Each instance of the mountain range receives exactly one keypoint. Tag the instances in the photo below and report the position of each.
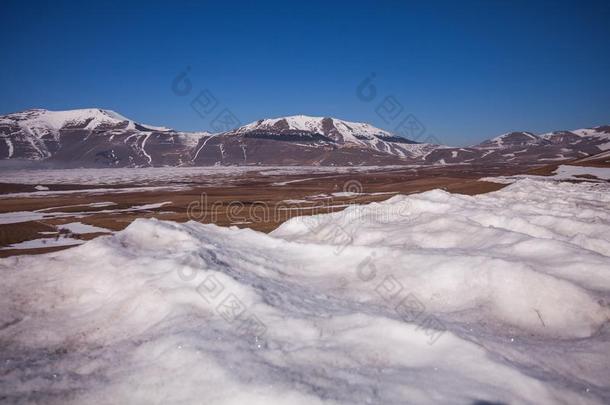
(104, 138)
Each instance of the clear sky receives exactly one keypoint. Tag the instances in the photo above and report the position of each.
(468, 70)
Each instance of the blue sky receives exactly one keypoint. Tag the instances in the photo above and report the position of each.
(467, 70)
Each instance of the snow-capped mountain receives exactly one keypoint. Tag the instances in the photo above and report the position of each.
(512, 140)
(316, 140)
(526, 148)
(599, 136)
(36, 133)
(338, 130)
(97, 137)
(91, 137)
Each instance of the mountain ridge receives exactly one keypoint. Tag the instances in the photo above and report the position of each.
(101, 137)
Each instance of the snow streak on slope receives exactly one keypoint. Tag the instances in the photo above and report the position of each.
(519, 279)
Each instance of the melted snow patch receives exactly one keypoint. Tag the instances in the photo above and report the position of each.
(44, 243)
(80, 228)
(562, 173)
(26, 216)
(569, 172)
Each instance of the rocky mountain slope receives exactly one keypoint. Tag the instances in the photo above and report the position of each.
(103, 138)
(528, 148)
(309, 140)
(92, 137)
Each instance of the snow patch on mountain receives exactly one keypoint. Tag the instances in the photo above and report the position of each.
(602, 132)
(343, 133)
(509, 140)
(40, 122)
(320, 125)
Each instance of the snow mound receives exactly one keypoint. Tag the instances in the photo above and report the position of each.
(427, 298)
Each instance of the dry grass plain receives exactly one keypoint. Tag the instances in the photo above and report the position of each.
(254, 199)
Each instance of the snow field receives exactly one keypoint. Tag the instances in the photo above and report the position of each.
(516, 282)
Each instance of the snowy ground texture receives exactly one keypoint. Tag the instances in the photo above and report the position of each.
(165, 175)
(427, 298)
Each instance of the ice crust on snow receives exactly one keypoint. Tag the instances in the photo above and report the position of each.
(518, 278)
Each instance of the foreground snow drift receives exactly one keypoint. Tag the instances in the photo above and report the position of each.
(430, 298)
